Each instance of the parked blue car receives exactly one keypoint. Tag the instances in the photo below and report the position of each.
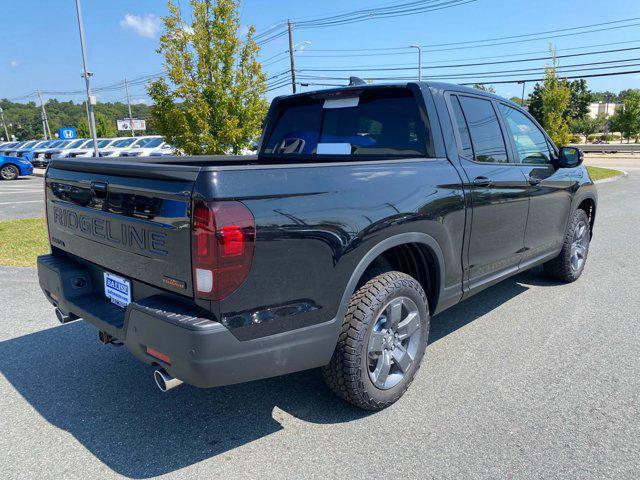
(26, 151)
(12, 167)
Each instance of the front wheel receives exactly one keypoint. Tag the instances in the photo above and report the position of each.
(9, 172)
(382, 342)
(568, 266)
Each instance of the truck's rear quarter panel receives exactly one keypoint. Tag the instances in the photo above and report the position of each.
(316, 222)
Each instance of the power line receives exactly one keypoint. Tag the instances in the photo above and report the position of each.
(459, 65)
(396, 10)
(480, 43)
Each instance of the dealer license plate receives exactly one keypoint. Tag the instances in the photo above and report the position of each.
(117, 289)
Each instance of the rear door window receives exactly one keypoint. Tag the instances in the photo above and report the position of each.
(486, 134)
(376, 122)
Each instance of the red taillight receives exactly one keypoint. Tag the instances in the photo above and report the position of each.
(223, 235)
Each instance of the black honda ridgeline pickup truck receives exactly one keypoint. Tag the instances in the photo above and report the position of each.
(367, 210)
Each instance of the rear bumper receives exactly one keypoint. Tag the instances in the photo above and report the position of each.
(202, 352)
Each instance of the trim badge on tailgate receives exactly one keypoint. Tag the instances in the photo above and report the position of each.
(138, 238)
(172, 282)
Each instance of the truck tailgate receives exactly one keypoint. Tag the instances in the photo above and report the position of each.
(130, 219)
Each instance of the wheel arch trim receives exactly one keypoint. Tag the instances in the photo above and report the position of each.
(383, 246)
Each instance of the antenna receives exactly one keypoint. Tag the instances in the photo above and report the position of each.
(356, 81)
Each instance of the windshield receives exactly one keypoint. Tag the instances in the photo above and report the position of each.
(29, 144)
(76, 143)
(384, 121)
(124, 143)
(151, 142)
(8, 145)
(61, 143)
(103, 143)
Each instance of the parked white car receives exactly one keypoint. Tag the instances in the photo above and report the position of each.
(70, 149)
(121, 145)
(147, 147)
(87, 150)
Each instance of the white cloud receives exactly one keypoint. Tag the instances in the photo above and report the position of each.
(14, 63)
(146, 26)
(141, 100)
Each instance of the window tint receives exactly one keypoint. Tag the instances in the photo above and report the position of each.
(482, 121)
(531, 144)
(461, 123)
(378, 122)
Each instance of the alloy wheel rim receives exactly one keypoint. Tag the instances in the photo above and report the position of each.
(579, 246)
(393, 343)
(7, 172)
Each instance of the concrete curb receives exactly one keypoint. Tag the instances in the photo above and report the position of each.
(623, 174)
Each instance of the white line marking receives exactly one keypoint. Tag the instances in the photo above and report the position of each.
(21, 191)
(27, 201)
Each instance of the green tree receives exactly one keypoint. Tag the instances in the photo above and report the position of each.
(212, 99)
(516, 100)
(580, 97)
(534, 101)
(484, 88)
(627, 119)
(556, 95)
(587, 126)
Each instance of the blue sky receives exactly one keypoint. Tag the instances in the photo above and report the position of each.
(41, 46)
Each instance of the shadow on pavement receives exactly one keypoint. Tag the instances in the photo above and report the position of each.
(108, 401)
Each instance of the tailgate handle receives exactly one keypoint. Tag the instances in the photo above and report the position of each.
(99, 189)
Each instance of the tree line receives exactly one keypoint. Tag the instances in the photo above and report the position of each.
(24, 120)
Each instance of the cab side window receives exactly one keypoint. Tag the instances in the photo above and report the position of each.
(484, 127)
(530, 142)
(463, 132)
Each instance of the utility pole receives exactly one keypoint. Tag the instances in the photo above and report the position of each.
(293, 66)
(126, 87)
(522, 99)
(45, 121)
(419, 47)
(87, 79)
(4, 124)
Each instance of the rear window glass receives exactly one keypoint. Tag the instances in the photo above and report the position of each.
(486, 135)
(377, 122)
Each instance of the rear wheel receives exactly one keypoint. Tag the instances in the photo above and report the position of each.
(568, 266)
(382, 342)
(9, 172)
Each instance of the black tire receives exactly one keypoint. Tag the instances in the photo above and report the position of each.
(562, 268)
(348, 373)
(9, 172)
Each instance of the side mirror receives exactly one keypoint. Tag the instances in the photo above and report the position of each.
(570, 157)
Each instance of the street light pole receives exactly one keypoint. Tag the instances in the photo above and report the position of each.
(4, 124)
(419, 47)
(126, 87)
(291, 60)
(45, 120)
(87, 79)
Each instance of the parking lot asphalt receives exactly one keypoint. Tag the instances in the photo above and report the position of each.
(22, 198)
(528, 379)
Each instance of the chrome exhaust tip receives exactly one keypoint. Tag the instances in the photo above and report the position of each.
(164, 381)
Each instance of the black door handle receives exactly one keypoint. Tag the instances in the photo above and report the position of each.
(482, 182)
(534, 181)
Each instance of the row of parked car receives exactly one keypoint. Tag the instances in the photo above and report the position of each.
(40, 152)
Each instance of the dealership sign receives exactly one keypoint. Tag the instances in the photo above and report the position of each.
(67, 133)
(129, 124)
